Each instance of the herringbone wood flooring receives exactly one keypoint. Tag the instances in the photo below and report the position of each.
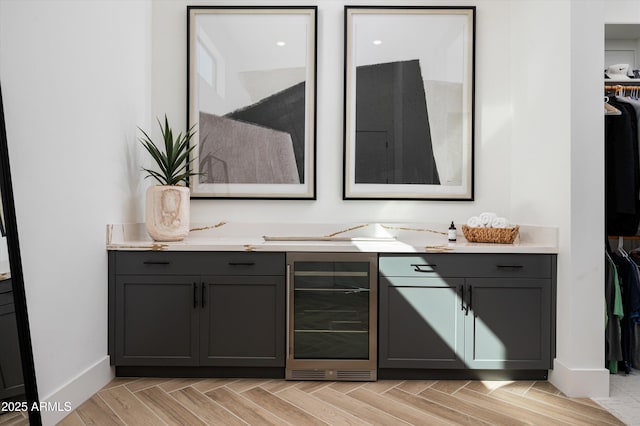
(152, 401)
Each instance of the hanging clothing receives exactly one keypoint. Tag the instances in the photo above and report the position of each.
(622, 167)
(629, 278)
(634, 316)
(636, 107)
(633, 297)
(614, 314)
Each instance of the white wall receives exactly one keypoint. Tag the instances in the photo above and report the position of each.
(538, 148)
(75, 84)
(582, 340)
(558, 130)
(558, 170)
(622, 52)
(79, 76)
(492, 143)
(622, 12)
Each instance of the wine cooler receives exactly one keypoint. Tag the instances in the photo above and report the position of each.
(331, 316)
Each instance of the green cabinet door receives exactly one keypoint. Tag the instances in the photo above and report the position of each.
(509, 323)
(156, 321)
(421, 322)
(242, 321)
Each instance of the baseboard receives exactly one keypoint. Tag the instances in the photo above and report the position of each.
(173, 371)
(68, 397)
(459, 374)
(580, 382)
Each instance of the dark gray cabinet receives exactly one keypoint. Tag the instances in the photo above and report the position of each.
(226, 310)
(156, 320)
(11, 379)
(197, 309)
(421, 325)
(243, 321)
(508, 325)
(467, 311)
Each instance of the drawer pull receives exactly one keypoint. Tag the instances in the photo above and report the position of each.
(418, 268)
(509, 266)
(242, 263)
(156, 262)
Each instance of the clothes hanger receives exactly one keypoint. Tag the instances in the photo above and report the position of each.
(610, 109)
(608, 256)
(620, 249)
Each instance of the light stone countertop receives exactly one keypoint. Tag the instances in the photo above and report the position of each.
(5, 270)
(329, 237)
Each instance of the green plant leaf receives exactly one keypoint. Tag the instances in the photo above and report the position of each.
(174, 160)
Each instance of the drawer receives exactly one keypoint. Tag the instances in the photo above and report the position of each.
(467, 265)
(5, 286)
(6, 298)
(199, 263)
(7, 309)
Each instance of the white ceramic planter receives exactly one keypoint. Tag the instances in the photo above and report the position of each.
(167, 212)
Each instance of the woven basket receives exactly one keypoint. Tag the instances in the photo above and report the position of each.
(490, 235)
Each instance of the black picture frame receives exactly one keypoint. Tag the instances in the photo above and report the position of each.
(251, 93)
(409, 95)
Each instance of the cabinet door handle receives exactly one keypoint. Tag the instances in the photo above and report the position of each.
(156, 262)
(418, 268)
(288, 315)
(470, 304)
(242, 263)
(509, 266)
(195, 295)
(461, 292)
(202, 293)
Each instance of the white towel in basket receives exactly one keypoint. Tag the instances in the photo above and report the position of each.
(474, 222)
(499, 222)
(486, 219)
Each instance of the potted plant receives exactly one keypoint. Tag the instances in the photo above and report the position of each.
(167, 204)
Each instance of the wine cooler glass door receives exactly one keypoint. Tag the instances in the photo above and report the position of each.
(331, 310)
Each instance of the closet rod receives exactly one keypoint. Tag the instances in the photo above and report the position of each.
(621, 87)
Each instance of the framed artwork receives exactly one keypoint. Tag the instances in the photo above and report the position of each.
(409, 102)
(252, 97)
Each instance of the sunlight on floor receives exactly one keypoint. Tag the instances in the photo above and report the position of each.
(624, 397)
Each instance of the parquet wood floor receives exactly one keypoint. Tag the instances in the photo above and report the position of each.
(154, 401)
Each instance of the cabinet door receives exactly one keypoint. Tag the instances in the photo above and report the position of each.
(243, 321)
(421, 322)
(156, 320)
(11, 380)
(508, 326)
